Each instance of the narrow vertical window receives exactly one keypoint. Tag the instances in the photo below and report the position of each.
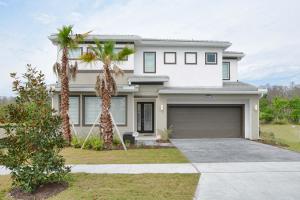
(226, 71)
(149, 62)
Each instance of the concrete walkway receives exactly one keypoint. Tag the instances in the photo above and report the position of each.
(249, 181)
(184, 168)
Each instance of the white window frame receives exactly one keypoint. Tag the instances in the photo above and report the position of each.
(226, 62)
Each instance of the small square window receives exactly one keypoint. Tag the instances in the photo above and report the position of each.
(211, 58)
(190, 58)
(170, 57)
(75, 53)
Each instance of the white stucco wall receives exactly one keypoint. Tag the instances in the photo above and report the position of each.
(181, 74)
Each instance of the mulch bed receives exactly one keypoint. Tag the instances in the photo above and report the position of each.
(43, 192)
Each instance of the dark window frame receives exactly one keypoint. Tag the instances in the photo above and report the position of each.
(83, 110)
(211, 63)
(228, 70)
(79, 102)
(145, 52)
(81, 49)
(196, 58)
(153, 117)
(170, 63)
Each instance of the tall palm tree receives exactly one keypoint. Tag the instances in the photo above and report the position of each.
(106, 86)
(67, 42)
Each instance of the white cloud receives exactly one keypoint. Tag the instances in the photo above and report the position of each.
(44, 18)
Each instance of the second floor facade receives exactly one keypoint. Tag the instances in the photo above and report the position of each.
(182, 63)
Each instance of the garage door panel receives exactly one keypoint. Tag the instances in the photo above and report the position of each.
(205, 121)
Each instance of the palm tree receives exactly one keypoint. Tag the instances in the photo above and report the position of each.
(66, 41)
(106, 86)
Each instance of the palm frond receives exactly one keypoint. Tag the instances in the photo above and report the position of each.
(88, 57)
(73, 70)
(117, 70)
(64, 36)
(124, 53)
(80, 37)
(57, 69)
(108, 48)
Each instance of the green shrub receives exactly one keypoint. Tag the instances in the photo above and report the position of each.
(76, 142)
(94, 143)
(116, 140)
(33, 136)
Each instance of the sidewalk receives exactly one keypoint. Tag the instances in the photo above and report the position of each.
(184, 168)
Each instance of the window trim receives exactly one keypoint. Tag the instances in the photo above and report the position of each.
(154, 62)
(211, 63)
(79, 102)
(81, 52)
(196, 58)
(228, 70)
(170, 63)
(83, 110)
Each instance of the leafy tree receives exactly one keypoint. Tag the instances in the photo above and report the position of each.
(266, 112)
(33, 137)
(66, 41)
(280, 109)
(106, 85)
(294, 105)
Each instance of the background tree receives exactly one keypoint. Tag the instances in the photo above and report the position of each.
(106, 85)
(67, 42)
(33, 138)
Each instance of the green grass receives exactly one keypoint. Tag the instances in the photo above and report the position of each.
(286, 135)
(132, 156)
(127, 187)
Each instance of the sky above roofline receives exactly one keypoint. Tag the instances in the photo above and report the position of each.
(266, 31)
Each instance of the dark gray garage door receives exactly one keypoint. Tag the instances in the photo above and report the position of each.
(195, 121)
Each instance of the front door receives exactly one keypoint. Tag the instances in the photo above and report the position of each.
(145, 117)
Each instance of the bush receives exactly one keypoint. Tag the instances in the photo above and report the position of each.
(33, 137)
(94, 143)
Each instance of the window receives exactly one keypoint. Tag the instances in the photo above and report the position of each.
(211, 58)
(92, 108)
(117, 50)
(190, 58)
(75, 53)
(170, 57)
(226, 70)
(149, 62)
(74, 104)
(74, 109)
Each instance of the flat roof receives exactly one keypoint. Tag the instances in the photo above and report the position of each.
(227, 88)
(140, 41)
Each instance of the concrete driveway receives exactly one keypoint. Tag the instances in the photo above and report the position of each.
(234, 169)
(232, 150)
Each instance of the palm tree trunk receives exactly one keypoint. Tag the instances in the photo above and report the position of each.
(106, 125)
(65, 97)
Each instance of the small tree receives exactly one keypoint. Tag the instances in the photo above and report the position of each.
(33, 137)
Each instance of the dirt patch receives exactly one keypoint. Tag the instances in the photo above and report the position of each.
(43, 192)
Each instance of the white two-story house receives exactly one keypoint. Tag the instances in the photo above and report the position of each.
(190, 86)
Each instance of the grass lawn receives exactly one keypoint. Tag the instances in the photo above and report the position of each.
(132, 156)
(284, 135)
(111, 187)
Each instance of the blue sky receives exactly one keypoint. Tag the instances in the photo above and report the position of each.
(268, 31)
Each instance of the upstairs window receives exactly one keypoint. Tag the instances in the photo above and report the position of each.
(149, 62)
(75, 53)
(190, 58)
(226, 70)
(169, 57)
(211, 58)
